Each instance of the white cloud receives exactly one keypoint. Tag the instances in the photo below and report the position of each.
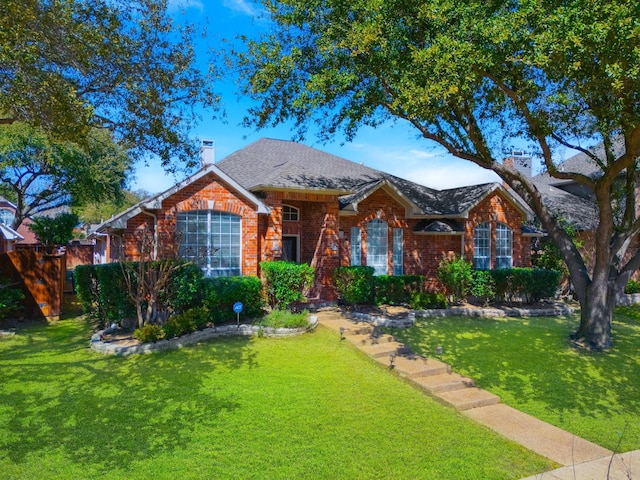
(433, 167)
(242, 6)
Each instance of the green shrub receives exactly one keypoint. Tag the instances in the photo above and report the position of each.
(354, 284)
(221, 293)
(455, 276)
(186, 322)
(11, 297)
(103, 293)
(396, 289)
(525, 284)
(428, 300)
(286, 282)
(633, 286)
(284, 319)
(186, 288)
(483, 285)
(149, 333)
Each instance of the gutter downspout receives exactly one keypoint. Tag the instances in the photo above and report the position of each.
(155, 231)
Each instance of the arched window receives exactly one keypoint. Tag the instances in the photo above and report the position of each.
(212, 240)
(6, 216)
(378, 246)
(482, 246)
(504, 246)
(290, 214)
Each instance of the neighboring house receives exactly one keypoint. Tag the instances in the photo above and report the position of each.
(279, 200)
(570, 200)
(23, 234)
(8, 238)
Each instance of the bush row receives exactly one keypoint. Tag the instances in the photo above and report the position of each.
(508, 284)
(102, 292)
(357, 285)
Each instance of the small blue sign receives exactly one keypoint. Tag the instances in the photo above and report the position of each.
(237, 307)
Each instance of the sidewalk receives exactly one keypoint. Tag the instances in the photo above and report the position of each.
(582, 460)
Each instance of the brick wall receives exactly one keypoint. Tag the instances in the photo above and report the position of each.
(316, 230)
(497, 209)
(422, 253)
(207, 193)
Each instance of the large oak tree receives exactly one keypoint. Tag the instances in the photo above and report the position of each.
(476, 76)
(40, 173)
(69, 65)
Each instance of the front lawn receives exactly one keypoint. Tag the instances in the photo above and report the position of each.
(529, 363)
(303, 407)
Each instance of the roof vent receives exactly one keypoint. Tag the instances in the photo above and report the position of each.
(207, 153)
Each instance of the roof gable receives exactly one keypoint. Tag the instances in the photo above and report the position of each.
(155, 202)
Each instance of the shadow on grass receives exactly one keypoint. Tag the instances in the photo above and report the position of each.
(56, 394)
(529, 361)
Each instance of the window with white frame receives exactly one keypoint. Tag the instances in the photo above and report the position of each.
(290, 214)
(212, 240)
(378, 246)
(356, 246)
(6, 216)
(504, 246)
(482, 246)
(397, 251)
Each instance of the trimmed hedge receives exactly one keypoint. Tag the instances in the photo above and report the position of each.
(102, 291)
(428, 300)
(220, 293)
(396, 289)
(285, 282)
(354, 284)
(525, 284)
(186, 322)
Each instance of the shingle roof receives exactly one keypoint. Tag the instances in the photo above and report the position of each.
(579, 212)
(444, 226)
(269, 163)
(9, 233)
(581, 163)
(278, 164)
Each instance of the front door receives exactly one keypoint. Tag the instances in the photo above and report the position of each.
(290, 248)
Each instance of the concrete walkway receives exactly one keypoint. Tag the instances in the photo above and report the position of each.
(582, 459)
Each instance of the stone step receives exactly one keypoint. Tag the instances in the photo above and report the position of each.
(368, 339)
(414, 366)
(445, 382)
(467, 398)
(380, 350)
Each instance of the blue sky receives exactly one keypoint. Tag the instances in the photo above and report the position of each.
(393, 148)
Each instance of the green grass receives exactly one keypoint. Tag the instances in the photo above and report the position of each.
(284, 319)
(296, 408)
(530, 364)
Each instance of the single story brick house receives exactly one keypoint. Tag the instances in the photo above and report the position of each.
(280, 200)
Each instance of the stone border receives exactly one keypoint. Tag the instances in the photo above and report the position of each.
(553, 311)
(224, 331)
(410, 319)
(629, 299)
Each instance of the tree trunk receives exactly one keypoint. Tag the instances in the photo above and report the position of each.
(596, 312)
(139, 314)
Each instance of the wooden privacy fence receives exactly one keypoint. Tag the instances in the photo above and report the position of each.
(41, 277)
